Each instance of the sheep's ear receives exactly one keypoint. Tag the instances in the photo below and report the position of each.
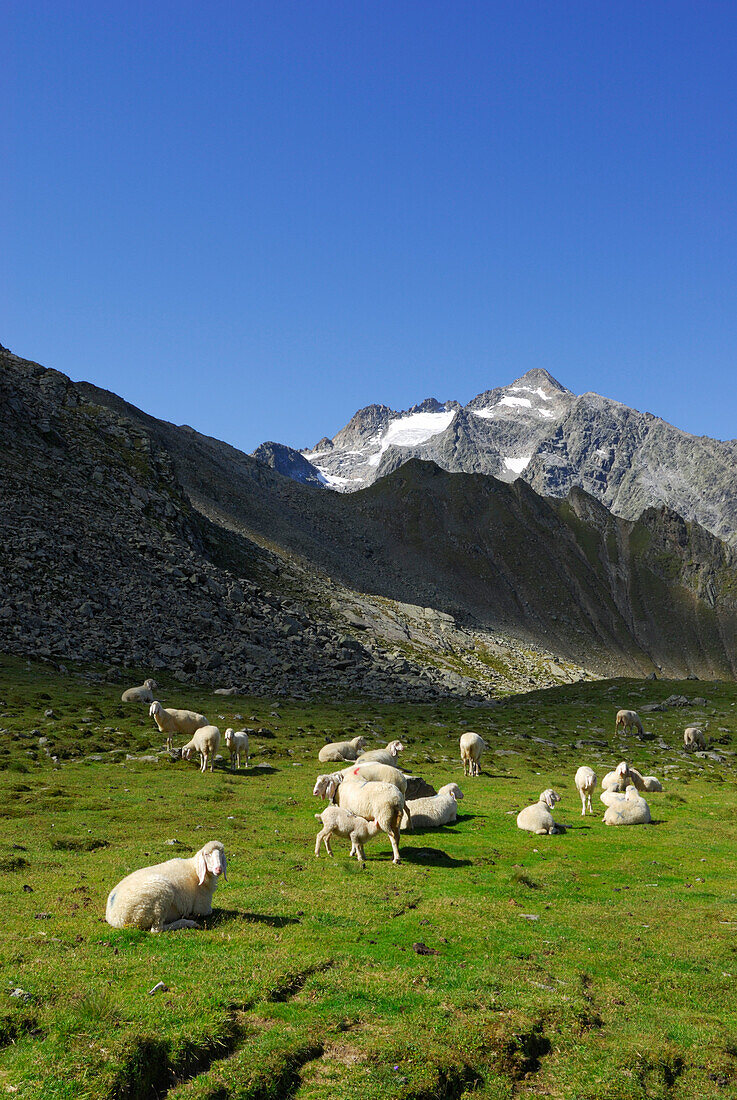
(201, 867)
(225, 867)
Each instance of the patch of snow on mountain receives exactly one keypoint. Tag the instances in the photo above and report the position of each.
(517, 464)
(310, 455)
(409, 431)
(530, 389)
(334, 479)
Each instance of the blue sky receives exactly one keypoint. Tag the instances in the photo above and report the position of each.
(256, 218)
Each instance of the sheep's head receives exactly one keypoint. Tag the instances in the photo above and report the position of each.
(549, 797)
(452, 789)
(210, 860)
(155, 708)
(228, 735)
(186, 753)
(359, 743)
(631, 793)
(394, 747)
(622, 769)
(327, 785)
(150, 684)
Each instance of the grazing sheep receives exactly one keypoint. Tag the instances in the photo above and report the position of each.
(616, 780)
(142, 694)
(383, 756)
(585, 780)
(373, 771)
(471, 748)
(538, 818)
(431, 813)
(172, 721)
(237, 742)
(694, 739)
(345, 823)
(627, 718)
(206, 742)
(341, 751)
(651, 784)
(630, 810)
(163, 897)
(379, 802)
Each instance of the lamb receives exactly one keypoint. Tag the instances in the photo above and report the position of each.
(164, 897)
(206, 742)
(630, 810)
(172, 721)
(651, 784)
(341, 751)
(616, 780)
(538, 818)
(379, 802)
(585, 780)
(471, 748)
(431, 813)
(694, 739)
(383, 756)
(345, 823)
(627, 718)
(237, 742)
(142, 694)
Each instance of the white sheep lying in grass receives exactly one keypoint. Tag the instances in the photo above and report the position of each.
(379, 802)
(341, 751)
(172, 721)
(585, 780)
(538, 818)
(431, 813)
(206, 742)
(629, 810)
(164, 897)
(651, 783)
(383, 756)
(237, 742)
(471, 748)
(616, 780)
(627, 718)
(345, 823)
(142, 694)
(694, 739)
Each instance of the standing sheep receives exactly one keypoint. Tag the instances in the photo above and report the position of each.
(337, 820)
(237, 743)
(431, 813)
(694, 739)
(630, 810)
(206, 742)
(383, 756)
(341, 751)
(172, 721)
(142, 694)
(471, 748)
(163, 897)
(379, 802)
(585, 780)
(538, 818)
(627, 718)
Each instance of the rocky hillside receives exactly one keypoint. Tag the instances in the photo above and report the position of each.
(564, 578)
(555, 440)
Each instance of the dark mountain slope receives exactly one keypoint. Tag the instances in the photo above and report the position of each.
(568, 576)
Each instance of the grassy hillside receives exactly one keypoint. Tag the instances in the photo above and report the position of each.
(490, 963)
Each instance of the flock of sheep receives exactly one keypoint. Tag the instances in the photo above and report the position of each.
(371, 795)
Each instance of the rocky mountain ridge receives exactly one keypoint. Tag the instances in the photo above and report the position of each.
(540, 431)
(128, 539)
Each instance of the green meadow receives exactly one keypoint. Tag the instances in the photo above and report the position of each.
(601, 963)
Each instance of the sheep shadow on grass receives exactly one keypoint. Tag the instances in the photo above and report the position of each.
(431, 857)
(225, 916)
(253, 771)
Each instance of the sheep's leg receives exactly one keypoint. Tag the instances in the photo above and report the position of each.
(359, 851)
(183, 923)
(588, 799)
(583, 803)
(318, 842)
(326, 841)
(394, 838)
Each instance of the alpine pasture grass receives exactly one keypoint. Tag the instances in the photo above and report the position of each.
(491, 963)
